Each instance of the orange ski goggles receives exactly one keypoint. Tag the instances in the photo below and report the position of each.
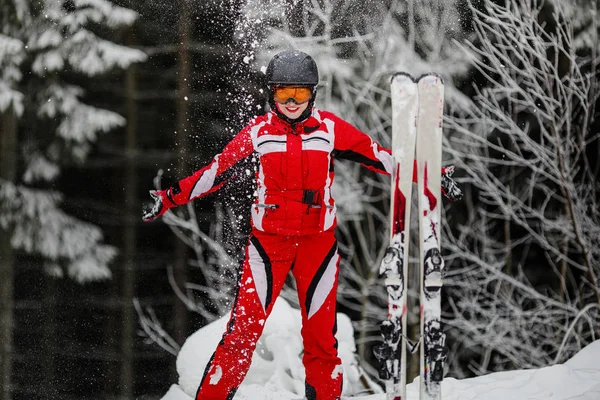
(298, 94)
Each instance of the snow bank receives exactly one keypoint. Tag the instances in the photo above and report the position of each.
(277, 372)
(577, 379)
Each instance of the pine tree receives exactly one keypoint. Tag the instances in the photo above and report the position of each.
(45, 47)
(42, 47)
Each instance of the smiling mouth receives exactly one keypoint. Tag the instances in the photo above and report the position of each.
(292, 109)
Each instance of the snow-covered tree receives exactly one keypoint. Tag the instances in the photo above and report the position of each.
(42, 46)
(524, 286)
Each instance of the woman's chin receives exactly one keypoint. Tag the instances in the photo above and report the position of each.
(292, 112)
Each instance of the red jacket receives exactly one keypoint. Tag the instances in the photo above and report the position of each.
(295, 170)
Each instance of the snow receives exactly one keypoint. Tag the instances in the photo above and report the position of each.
(277, 372)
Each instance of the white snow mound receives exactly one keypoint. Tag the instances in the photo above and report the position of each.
(277, 372)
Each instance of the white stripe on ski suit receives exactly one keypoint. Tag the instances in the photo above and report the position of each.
(318, 141)
(385, 158)
(207, 180)
(324, 286)
(258, 213)
(329, 212)
(270, 144)
(259, 273)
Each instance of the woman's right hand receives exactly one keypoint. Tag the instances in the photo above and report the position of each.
(152, 211)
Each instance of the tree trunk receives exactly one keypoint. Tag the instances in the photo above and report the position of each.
(8, 172)
(130, 222)
(182, 132)
(295, 17)
(49, 331)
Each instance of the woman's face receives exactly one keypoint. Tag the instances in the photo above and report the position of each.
(291, 109)
(292, 101)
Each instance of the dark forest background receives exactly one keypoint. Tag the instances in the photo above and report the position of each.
(75, 341)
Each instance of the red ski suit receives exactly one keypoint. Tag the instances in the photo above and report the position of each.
(293, 221)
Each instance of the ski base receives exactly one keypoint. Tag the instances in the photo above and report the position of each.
(391, 354)
(431, 263)
(417, 113)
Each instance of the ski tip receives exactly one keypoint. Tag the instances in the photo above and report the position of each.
(401, 75)
(431, 75)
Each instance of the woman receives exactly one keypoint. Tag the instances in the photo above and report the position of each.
(293, 223)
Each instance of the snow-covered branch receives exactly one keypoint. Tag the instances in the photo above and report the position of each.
(525, 271)
(152, 329)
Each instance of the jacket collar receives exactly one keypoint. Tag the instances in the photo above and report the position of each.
(308, 125)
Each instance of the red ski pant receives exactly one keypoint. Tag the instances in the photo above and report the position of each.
(314, 262)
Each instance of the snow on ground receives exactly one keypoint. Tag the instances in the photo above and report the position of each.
(277, 372)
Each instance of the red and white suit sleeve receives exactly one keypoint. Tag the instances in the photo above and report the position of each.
(352, 144)
(209, 178)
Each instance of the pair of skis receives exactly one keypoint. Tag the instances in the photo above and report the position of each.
(417, 112)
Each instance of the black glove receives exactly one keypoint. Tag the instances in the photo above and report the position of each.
(449, 185)
(154, 210)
